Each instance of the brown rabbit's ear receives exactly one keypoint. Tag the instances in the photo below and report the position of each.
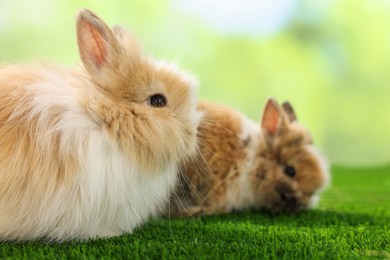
(97, 44)
(289, 111)
(273, 119)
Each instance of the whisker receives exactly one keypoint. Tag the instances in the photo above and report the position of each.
(186, 194)
(183, 207)
(169, 214)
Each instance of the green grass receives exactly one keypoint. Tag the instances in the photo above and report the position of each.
(352, 221)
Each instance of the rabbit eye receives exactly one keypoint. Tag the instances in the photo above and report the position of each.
(157, 100)
(290, 171)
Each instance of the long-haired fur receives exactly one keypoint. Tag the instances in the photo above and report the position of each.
(242, 165)
(84, 153)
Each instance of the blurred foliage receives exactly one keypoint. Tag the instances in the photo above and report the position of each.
(331, 60)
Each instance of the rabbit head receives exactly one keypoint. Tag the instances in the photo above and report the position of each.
(291, 172)
(149, 107)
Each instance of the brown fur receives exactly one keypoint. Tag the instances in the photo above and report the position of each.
(208, 176)
(234, 171)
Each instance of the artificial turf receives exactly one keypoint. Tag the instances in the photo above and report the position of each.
(352, 221)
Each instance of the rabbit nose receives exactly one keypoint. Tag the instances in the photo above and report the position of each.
(288, 198)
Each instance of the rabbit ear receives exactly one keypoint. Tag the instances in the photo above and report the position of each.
(120, 32)
(97, 44)
(289, 111)
(127, 40)
(271, 117)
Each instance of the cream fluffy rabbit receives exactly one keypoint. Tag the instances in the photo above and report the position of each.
(91, 152)
(241, 165)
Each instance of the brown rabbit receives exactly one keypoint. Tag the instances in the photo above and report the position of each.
(242, 166)
(92, 152)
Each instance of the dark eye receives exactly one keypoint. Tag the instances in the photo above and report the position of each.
(157, 100)
(290, 171)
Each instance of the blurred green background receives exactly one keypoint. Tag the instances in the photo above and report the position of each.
(330, 59)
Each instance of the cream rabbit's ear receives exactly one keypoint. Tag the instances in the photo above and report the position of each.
(289, 111)
(273, 120)
(98, 47)
(121, 32)
(127, 40)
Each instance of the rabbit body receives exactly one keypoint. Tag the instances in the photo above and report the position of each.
(242, 165)
(91, 152)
